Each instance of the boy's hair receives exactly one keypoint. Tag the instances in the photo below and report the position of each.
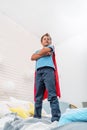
(47, 34)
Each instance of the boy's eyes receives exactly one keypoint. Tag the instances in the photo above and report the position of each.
(46, 39)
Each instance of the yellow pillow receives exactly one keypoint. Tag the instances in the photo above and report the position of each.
(23, 112)
(31, 109)
(20, 111)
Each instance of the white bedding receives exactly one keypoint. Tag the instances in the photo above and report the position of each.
(6, 118)
(10, 120)
(15, 108)
(41, 126)
(24, 109)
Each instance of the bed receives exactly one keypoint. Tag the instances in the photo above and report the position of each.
(17, 114)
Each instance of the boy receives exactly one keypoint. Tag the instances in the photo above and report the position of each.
(45, 79)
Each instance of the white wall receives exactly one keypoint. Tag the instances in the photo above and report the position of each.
(72, 62)
(16, 47)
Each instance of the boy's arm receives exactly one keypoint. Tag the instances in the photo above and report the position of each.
(43, 52)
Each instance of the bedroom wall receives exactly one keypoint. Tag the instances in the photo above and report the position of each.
(72, 62)
(16, 68)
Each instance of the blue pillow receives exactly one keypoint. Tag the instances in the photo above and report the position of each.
(73, 115)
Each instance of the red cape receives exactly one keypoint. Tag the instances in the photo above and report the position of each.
(56, 81)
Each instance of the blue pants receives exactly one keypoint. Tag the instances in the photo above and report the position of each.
(45, 79)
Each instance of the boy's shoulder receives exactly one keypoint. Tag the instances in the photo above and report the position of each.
(51, 46)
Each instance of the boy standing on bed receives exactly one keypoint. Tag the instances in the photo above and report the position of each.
(45, 84)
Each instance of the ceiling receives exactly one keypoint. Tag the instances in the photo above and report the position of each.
(63, 19)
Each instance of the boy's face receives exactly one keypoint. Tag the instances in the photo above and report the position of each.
(46, 41)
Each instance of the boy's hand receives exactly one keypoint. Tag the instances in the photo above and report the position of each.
(48, 53)
(43, 52)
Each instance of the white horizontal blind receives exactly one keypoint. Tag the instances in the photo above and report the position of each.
(23, 86)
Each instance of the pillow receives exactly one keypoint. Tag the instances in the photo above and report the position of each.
(73, 115)
(31, 109)
(20, 112)
(23, 108)
(16, 103)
